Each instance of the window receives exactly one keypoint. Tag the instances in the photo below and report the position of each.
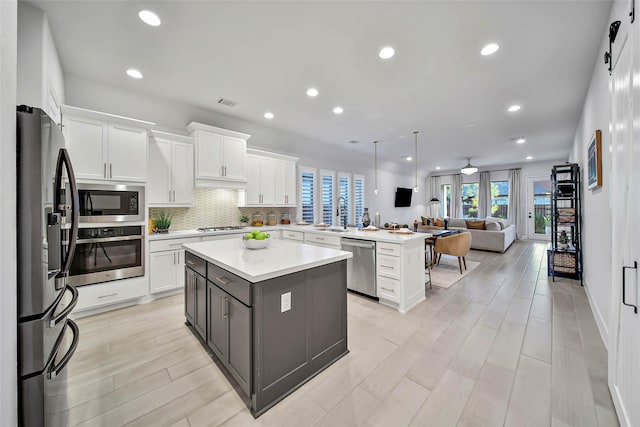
(446, 201)
(307, 193)
(469, 200)
(328, 179)
(358, 197)
(345, 191)
(500, 199)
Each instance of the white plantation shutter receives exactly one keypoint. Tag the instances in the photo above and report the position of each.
(307, 193)
(345, 184)
(327, 196)
(358, 197)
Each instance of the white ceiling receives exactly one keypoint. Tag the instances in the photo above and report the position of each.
(265, 54)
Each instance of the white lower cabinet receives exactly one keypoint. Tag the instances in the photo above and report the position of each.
(324, 240)
(296, 236)
(166, 264)
(388, 271)
(117, 291)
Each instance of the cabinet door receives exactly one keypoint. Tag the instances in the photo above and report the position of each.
(216, 337)
(86, 141)
(209, 155)
(266, 181)
(201, 305)
(233, 153)
(127, 153)
(279, 194)
(239, 350)
(189, 296)
(253, 180)
(182, 177)
(290, 187)
(162, 271)
(180, 268)
(159, 188)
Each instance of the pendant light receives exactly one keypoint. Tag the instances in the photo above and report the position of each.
(469, 169)
(415, 133)
(375, 160)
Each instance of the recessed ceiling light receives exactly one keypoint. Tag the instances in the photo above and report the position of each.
(437, 168)
(312, 92)
(529, 157)
(408, 158)
(521, 140)
(337, 110)
(149, 18)
(386, 52)
(513, 108)
(268, 115)
(132, 72)
(489, 49)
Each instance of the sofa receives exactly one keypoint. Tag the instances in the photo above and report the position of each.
(496, 236)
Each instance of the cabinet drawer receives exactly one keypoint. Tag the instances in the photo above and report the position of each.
(388, 289)
(170, 244)
(222, 237)
(230, 283)
(323, 239)
(392, 249)
(293, 235)
(116, 291)
(195, 263)
(388, 266)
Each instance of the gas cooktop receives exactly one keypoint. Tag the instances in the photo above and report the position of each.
(220, 228)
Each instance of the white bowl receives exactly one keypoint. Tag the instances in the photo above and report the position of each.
(256, 244)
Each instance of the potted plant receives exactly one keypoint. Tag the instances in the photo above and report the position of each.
(563, 240)
(244, 220)
(163, 222)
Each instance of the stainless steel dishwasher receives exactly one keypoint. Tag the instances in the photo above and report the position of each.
(361, 269)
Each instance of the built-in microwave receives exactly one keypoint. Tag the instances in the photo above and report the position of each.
(111, 203)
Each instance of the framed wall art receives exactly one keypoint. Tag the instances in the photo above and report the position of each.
(594, 161)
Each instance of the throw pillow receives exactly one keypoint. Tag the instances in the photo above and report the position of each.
(439, 222)
(503, 223)
(424, 220)
(475, 225)
(492, 225)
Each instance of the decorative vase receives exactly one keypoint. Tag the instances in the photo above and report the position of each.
(163, 230)
(365, 218)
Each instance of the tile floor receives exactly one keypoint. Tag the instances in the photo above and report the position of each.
(503, 347)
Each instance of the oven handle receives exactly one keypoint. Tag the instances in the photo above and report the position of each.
(109, 239)
(63, 314)
(56, 369)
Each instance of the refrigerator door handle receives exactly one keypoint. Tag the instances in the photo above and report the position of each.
(65, 159)
(56, 369)
(63, 314)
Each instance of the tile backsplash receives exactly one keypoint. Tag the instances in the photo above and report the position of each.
(215, 207)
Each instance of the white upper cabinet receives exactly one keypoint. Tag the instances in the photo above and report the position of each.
(105, 147)
(40, 76)
(271, 180)
(220, 156)
(171, 170)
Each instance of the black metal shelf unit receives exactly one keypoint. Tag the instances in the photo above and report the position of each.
(565, 258)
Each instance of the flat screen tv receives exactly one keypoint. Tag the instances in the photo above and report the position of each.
(403, 197)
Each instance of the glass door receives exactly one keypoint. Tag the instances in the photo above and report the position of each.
(539, 208)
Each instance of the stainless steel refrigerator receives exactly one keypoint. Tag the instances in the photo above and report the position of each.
(48, 215)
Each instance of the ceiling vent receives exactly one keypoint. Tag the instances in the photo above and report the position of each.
(227, 102)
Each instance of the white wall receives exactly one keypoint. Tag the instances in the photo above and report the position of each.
(8, 315)
(173, 115)
(597, 239)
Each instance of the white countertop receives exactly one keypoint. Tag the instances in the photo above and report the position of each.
(280, 258)
(353, 233)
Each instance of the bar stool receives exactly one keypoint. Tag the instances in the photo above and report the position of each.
(428, 259)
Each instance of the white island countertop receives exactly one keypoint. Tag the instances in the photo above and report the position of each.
(255, 265)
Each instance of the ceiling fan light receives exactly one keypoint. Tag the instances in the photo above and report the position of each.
(469, 169)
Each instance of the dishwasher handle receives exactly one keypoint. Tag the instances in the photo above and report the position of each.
(358, 244)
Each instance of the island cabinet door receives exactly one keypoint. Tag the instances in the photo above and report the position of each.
(201, 305)
(189, 296)
(239, 343)
(216, 335)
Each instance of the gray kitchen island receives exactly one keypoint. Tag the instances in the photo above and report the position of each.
(271, 318)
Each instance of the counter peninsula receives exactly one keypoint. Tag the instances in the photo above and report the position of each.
(271, 318)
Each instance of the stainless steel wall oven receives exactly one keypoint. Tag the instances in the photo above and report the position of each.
(107, 253)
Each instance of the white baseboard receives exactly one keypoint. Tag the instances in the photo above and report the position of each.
(597, 315)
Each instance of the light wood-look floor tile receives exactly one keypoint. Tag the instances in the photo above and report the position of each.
(505, 346)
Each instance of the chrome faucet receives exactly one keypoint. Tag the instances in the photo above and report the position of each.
(343, 207)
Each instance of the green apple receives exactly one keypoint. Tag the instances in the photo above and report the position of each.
(248, 236)
(262, 236)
